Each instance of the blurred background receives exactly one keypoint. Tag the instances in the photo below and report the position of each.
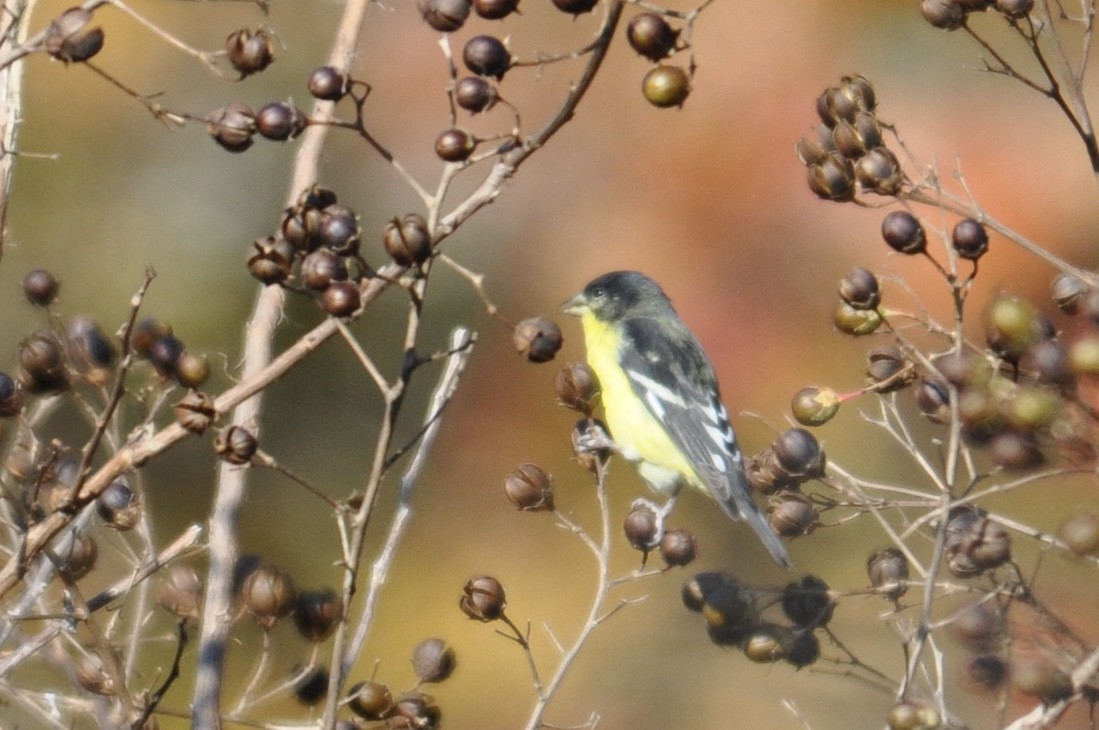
(709, 199)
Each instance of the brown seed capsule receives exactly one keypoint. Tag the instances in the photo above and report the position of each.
(475, 94)
(575, 7)
(970, 239)
(370, 700)
(538, 338)
(888, 369)
(903, 232)
(445, 16)
(984, 672)
(879, 170)
(650, 35)
(486, 55)
(337, 229)
(322, 267)
(192, 369)
(341, 299)
(232, 126)
(407, 240)
(42, 363)
(678, 547)
(268, 594)
(236, 445)
(1015, 450)
(832, 178)
(979, 626)
(798, 453)
(317, 613)
(119, 506)
(40, 287)
(250, 52)
(860, 289)
(483, 598)
(933, 399)
(433, 660)
(528, 488)
(495, 9)
(888, 572)
(1081, 533)
(146, 332)
(1015, 8)
(814, 405)
(415, 710)
(78, 557)
(577, 387)
(164, 354)
(196, 411)
(327, 84)
(666, 86)
(68, 38)
(792, 514)
(642, 528)
(1011, 326)
(179, 591)
(1068, 292)
(944, 14)
(455, 145)
(766, 475)
(280, 121)
(974, 543)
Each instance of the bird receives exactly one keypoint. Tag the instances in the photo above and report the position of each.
(661, 398)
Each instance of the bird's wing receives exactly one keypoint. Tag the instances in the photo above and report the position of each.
(671, 374)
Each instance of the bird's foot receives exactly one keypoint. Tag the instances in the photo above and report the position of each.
(660, 512)
(590, 437)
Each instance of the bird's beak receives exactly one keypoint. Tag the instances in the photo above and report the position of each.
(576, 306)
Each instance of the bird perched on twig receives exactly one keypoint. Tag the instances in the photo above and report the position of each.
(661, 398)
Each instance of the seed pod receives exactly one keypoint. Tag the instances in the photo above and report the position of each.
(196, 411)
(79, 557)
(179, 591)
(577, 387)
(766, 475)
(678, 547)
(944, 14)
(666, 86)
(337, 228)
(889, 369)
(416, 710)
(903, 232)
(370, 700)
(764, 644)
(1011, 326)
(933, 399)
(407, 240)
(975, 543)
(970, 239)
(327, 84)
(236, 445)
(1015, 8)
(232, 126)
(486, 55)
(40, 287)
(650, 35)
(445, 16)
(701, 585)
(575, 7)
(268, 594)
(1068, 292)
(642, 528)
(859, 288)
(250, 52)
(888, 572)
(164, 354)
(483, 598)
(42, 363)
(321, 268)
(280, 121)
(1035, 674)
(433, 660)
(11, 397)
(807, 602)
(814, 405)
(341, 299)
(802, 649)
(984, 673)
(119, 506)
(316, 614)
(979, 627)
(537, 338)
(528, 488)
(474, 94)
(495, 9)
(311, 684)
(454, 145)
(68, 38)
(192, 369)
(792, 514)
(1081, 533)
(798, 453)
(879, 170)
(730, 612)
(832, 178)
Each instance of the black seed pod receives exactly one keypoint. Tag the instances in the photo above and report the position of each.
(445, 16)
(42, 363)
(338, 230)
(933, 398)
(945, 14)
(321, 268)
(807, 602)
(970, 239)
(798, 453)
(903, 232)
(164, 354)
(280, 121)
(889, 369)
(642, 528)
(860, 289)
(575, 7)
(316, 614)
(118, 506)
(271, 259)
(1068, 292)
(250, 52)
(650, 35)
(327, 84)
(486, 55)
(455, 145)
(236, 445)
(495, 9)
(701, 585)
(341, 299)
(40, 287)
(678, 547)
(11, 398)
(888, 572)
(792, 514)
(879, 170)
(311, 684)
(832, 178)
(475, 94)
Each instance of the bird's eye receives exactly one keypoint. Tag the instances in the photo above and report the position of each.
(598, 293)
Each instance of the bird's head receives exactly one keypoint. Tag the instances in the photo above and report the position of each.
(618, 295)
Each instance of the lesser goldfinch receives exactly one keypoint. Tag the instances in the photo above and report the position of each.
(661, 397)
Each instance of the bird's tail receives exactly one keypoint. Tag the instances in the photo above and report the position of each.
(740, 506)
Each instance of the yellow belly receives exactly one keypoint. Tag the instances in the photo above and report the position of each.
(632, 425)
